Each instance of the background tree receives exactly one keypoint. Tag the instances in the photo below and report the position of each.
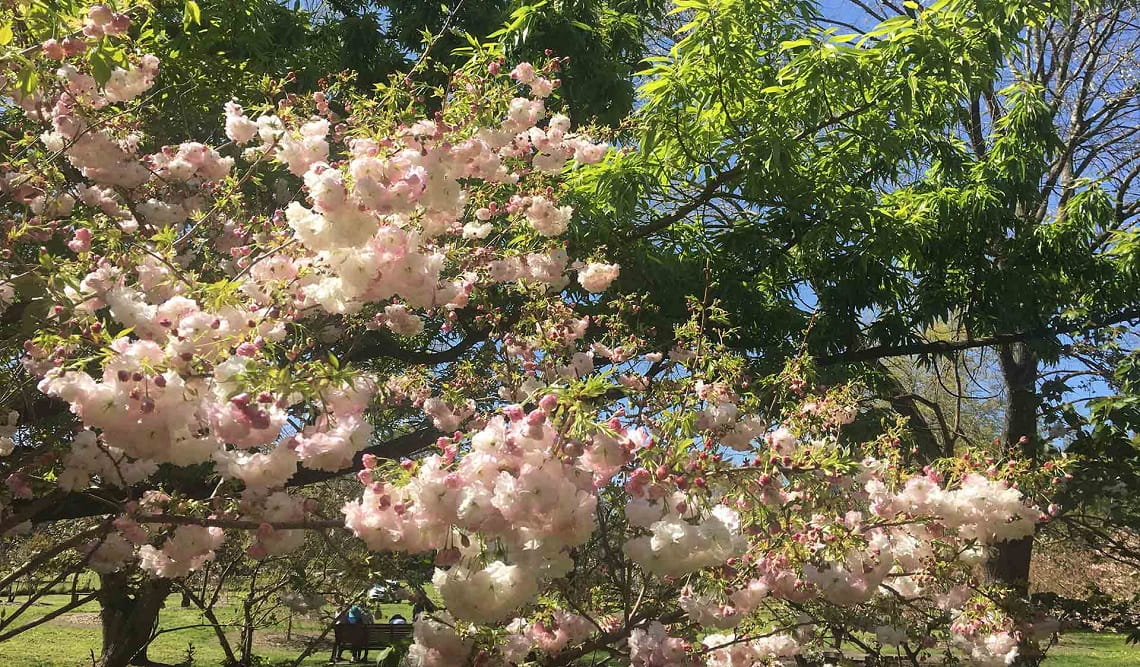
(853, 180)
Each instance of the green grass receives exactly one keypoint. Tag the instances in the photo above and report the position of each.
(68, 641)
(1081, 649)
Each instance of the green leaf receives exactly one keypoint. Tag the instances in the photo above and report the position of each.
(475, 45)
(28, 80)
(191, 14)
(795, 44)
(6, 34)
(100, 66)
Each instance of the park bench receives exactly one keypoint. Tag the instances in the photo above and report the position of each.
(361, 637)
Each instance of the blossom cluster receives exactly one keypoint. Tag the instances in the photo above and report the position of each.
(511, 488)
(379, 231)
(8, 429)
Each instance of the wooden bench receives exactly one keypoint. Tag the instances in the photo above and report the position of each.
(360, 637)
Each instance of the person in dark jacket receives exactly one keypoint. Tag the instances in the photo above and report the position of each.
(356, 615)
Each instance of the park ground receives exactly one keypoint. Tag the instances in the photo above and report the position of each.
(71, 639)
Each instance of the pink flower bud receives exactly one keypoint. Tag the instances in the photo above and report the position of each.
(548, 402)
(119, 25)
(80, 241)
(18, 485)
(73, 46)
(100, 14)
(53, 49)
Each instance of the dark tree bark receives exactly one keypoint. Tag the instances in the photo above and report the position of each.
(75, 586)
(207, 609)
(1009, 564)
(1019, 366)
(129, 613)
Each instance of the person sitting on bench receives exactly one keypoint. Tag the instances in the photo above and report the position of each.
(397, 619)
(363, 637)
(356, 615)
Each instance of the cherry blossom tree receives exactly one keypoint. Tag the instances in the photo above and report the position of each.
(349, 287)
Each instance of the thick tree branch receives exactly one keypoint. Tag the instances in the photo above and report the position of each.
(44, 556)
(240, 524)
(400, 447)
(711, 189)
(706, 194)
(947, 346)
(97, 502)
(49, 616)
(376, 344)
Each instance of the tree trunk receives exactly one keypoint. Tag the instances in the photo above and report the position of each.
(129, 614)
(219, 631)
(75, 587)
(1019, 365)
(1009, 564)
(247, 626)
(247, 632)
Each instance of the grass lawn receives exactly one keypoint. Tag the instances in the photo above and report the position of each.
(1081, 649)
(68, 641)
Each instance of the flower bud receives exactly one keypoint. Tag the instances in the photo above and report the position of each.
(100, 14)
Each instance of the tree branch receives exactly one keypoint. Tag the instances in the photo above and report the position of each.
(79, 504)
(243, 524)
(49, 616)
(400, 447)
(947, 346)
(707, 193)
